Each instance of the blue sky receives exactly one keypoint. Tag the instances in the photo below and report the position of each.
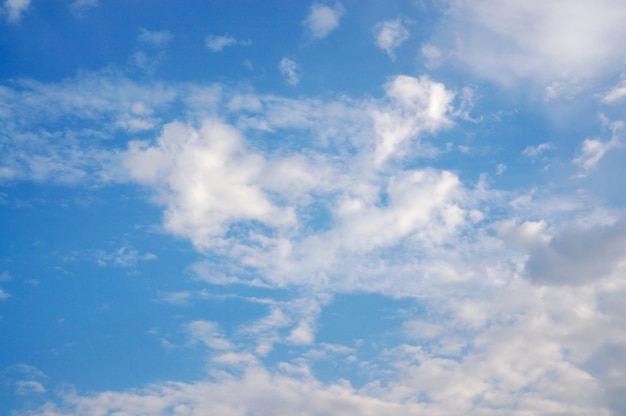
(290, 207)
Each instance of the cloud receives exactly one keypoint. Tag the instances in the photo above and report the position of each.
(417, 106)
(323, 19)
(578, 255)
(290, 70)
(72, 155)
(24, 388)
(218, 43)
(4, 295)
(176, 298)
(593, 150)
(432, 54)
(209, 334)
(544, 41)
(122, 257)
(156, 38)
(15, 9)
(616, 94)
(389, 35)
(257, 392)
(534, 151)
(183, 168)
(325, 213)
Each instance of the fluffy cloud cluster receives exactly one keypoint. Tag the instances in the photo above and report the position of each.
(323, 19)
(521, 305)
(547, 41)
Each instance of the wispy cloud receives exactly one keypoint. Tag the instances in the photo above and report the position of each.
(218, 43)
(209, 334)
(593, 150)
(290, 70)
(534, 151)
(156, 38)
(616, 94)
(15, 9)
(122, 257)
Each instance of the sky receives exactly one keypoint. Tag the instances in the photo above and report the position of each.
(407, 207)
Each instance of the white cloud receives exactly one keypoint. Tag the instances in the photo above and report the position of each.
(15, 9)
(542, 40)
(209, 334)
(593, 150)
(122, 257)
(519, 317)
(418, 105)
(4, 295)
(528, 234)
(534, 151)
(257, 392)
(423, 204)
(24, 388)
(176, 298)
(616, 94)
(500, 168)
(323, 19)
(156, 38)
(218, 43)
(389, 35)
(290, 70)
(71, 155)
(207, 180)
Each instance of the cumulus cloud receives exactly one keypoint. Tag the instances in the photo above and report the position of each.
(578, 255)
(206, 178)
(323, 19)
(389, 35)
(15, 9)
(417, 106)
(218, 43)
(540, 40)
(290, 70)
(328, 215)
